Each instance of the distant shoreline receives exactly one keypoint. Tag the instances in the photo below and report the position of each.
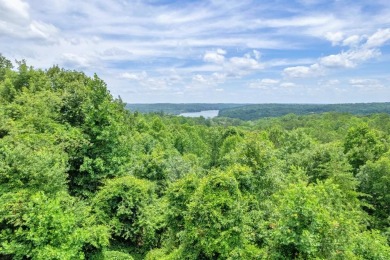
(257, 111)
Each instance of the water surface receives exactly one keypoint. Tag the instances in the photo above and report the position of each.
(205, 114)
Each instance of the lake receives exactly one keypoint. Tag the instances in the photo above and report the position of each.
(205, 114)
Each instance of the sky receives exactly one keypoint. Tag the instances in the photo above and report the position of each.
(212, 51)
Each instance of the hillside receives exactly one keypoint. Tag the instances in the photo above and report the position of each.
(176, 109)
(253, 112)
(81, 177)
(258, 111)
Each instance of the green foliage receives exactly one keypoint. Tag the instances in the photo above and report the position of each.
(122, 203)
(363, 144)
(295, 141)
(111, 255)
(374, 180)
(255, 151)
(156, 254)
(189, 140)
(157, 165)
(43, 227)
(179, 196)
(327, 161)
(35, 168)
(36, 112)
(87, 105)
(371, 245)
(115, 255)
(213, 225)
(5, 63)
(257, 111)
(315, 221)
(83, 178)
(229, 145)
(7, 89)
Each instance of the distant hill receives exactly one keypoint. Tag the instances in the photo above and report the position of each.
(257, 111)
(176, 109)
(253, 112)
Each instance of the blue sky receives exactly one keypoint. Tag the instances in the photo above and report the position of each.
(303, 51)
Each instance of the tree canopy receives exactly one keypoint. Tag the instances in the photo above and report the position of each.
(82, 177)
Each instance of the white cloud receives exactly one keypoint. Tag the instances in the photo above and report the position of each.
(272, 84)
(298, 21)
(257, 54)
(135, 76)
(114, 52)
(270, 81)
(155, 84)
(174, 78)
(349, 59)
(147, 82)
(334, 37)
(378, 39)
(303, 71)
(213, 79)
(337, 60)
(183, 16)
(289, 62)
(76, 61)
(328, 84)
(15, 11)
(333, 82)
(207, 43)
(43, 30)
(221, 51)
(200, 79)
(288, 85)
(366, 84)
(297, 71)
(16, 22)
(346, 59)
(215, 56)
(233, 66)
(31, 31)
(352, 40)
(359, 81)
(245, 63)
(219, 77)
(264, 83)
(311, 2)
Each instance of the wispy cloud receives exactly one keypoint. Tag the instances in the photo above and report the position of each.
(264, 83)
(357, 54)
(313, 70)
(187, 47)
(217, 56)
(378, 39)
(366, 84)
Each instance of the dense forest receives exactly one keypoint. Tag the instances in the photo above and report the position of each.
(176, 109)
(258, 111)
(82, 177)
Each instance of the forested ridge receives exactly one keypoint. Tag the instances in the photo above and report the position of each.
(176, 109)
(81, 177)
(257, 111)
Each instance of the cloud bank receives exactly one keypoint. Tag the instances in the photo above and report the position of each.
(210, 51)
